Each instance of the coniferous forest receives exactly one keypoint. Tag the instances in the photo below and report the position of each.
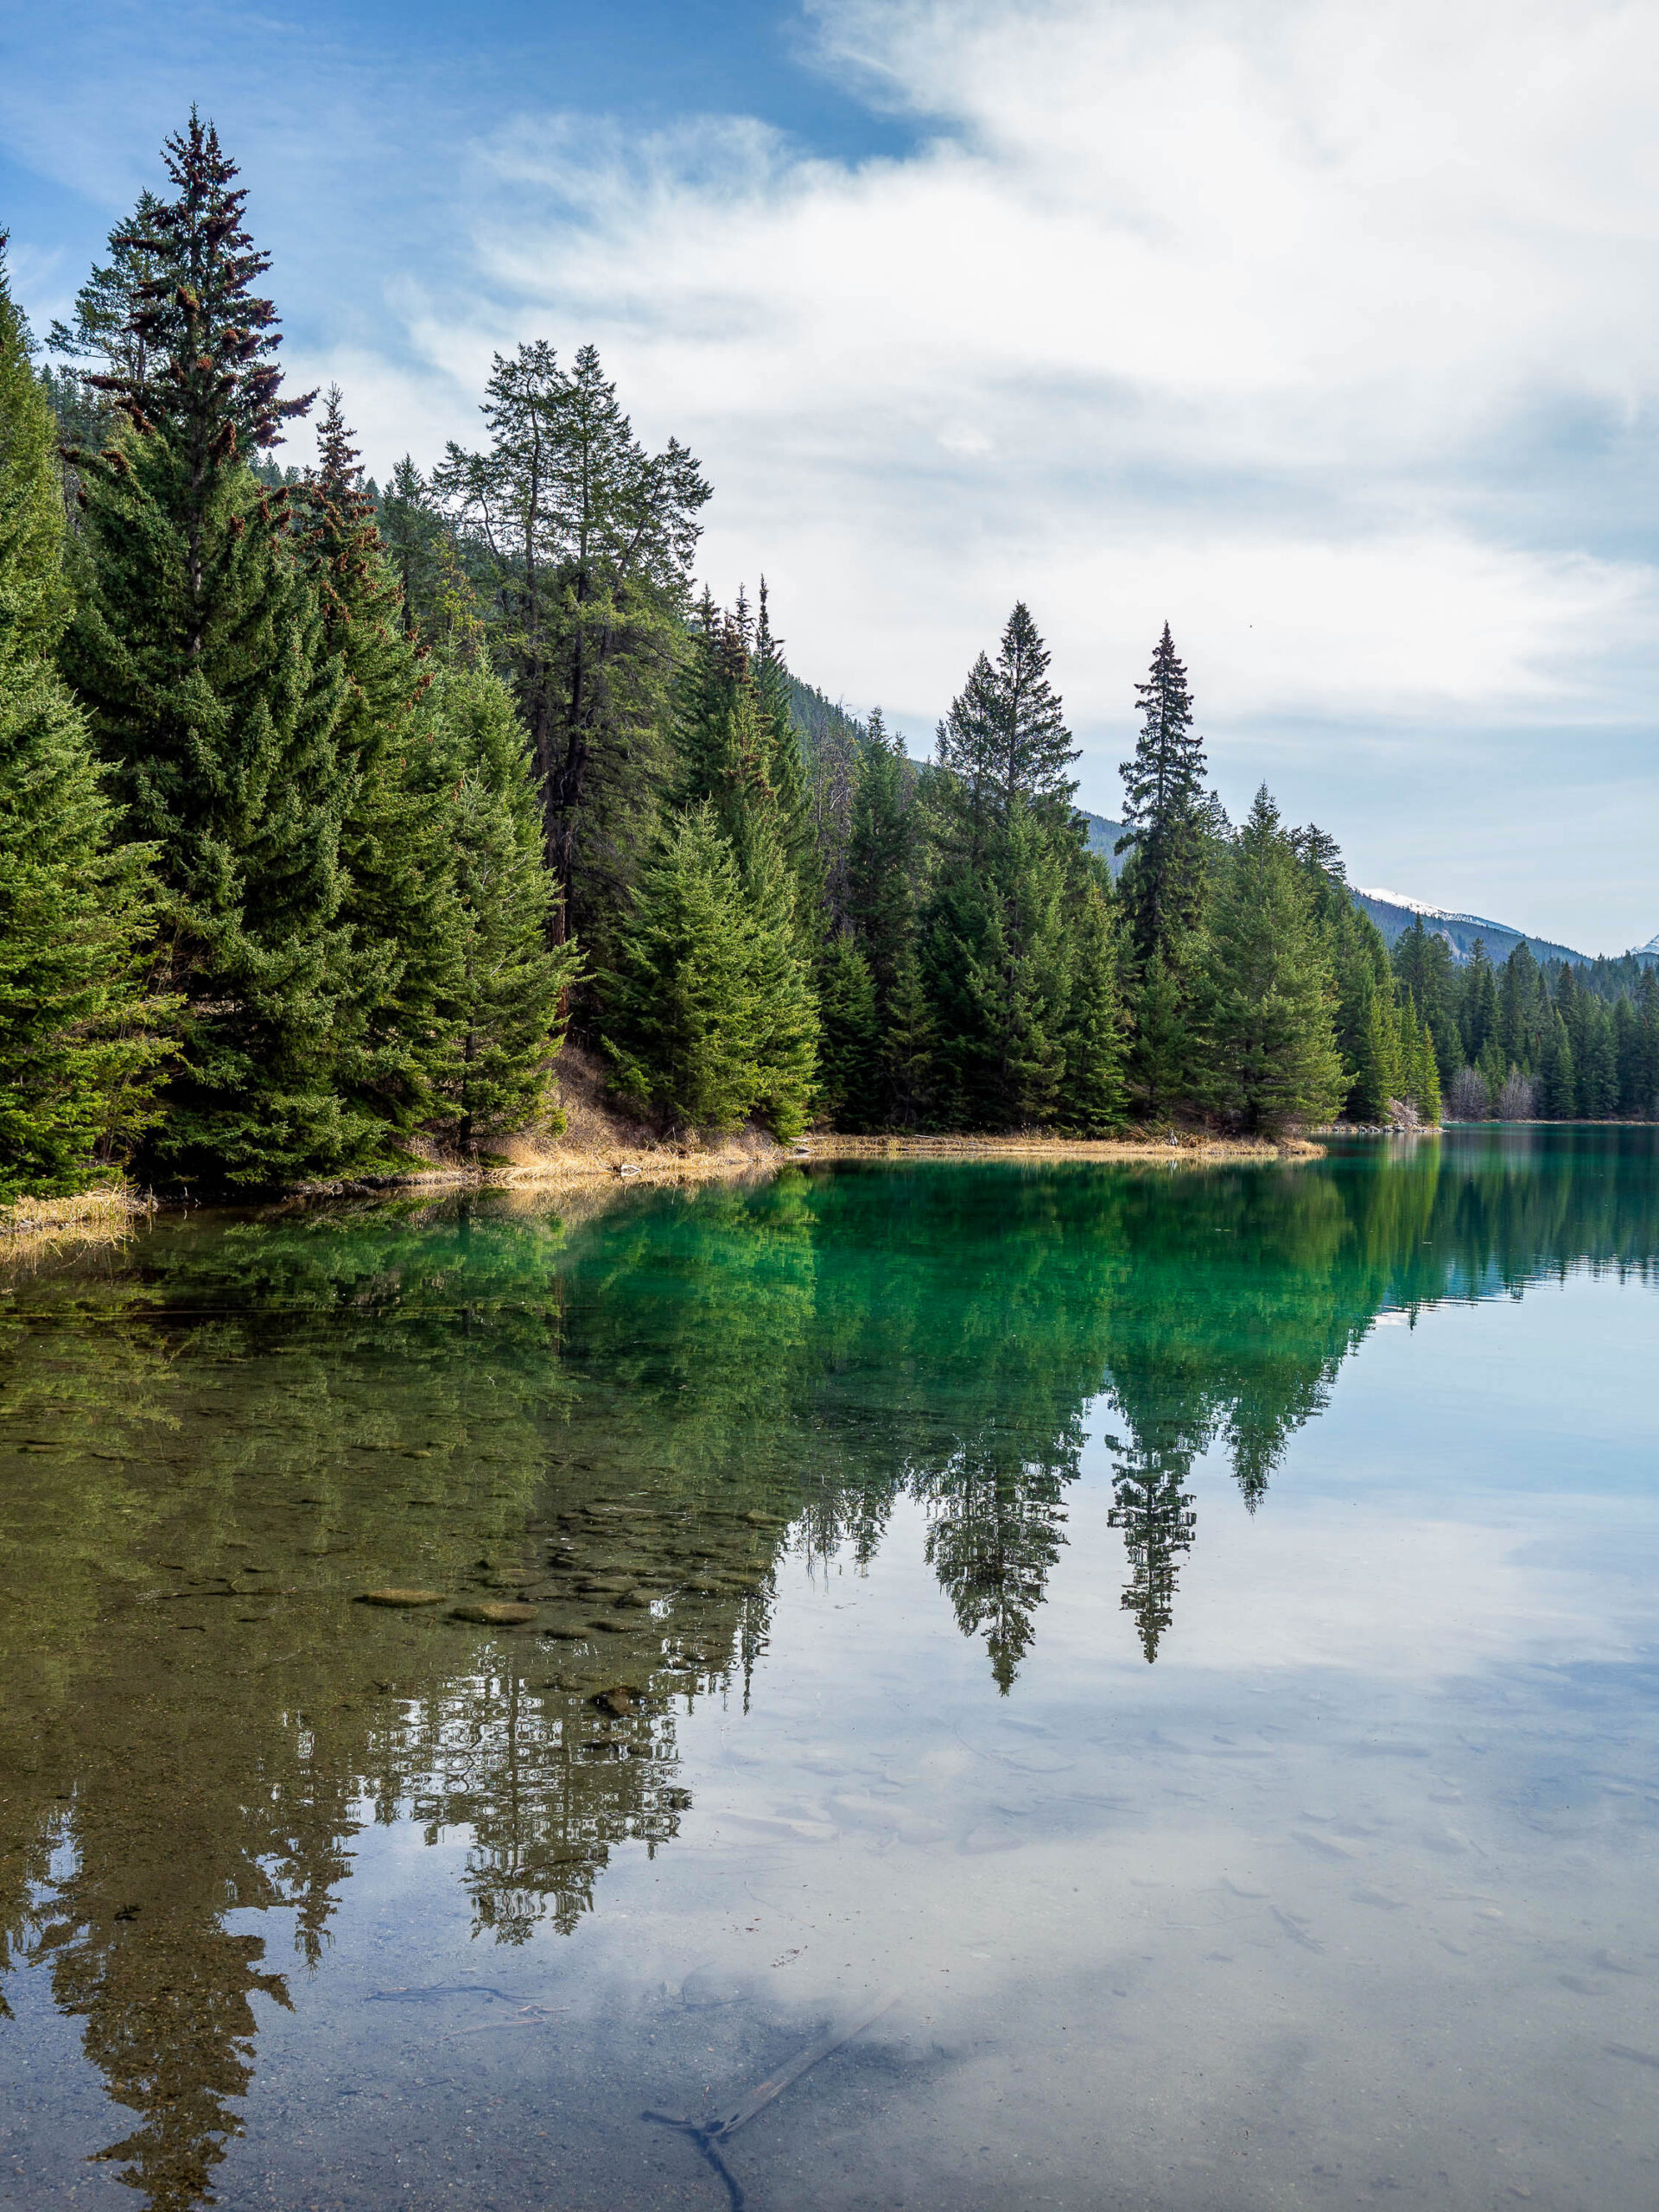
(329, 810)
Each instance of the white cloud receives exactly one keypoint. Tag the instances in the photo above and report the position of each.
(1216, 311)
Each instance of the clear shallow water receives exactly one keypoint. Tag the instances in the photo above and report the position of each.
(885, 1485)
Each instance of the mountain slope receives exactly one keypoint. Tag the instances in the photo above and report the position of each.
(1394, 914)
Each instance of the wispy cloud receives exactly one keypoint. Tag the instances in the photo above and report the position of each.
(1326, 330)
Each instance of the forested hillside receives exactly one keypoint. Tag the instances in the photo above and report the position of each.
(327, 808)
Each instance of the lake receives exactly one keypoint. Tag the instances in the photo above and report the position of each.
(1146, 1679)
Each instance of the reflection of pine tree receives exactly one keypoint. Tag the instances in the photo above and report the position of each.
(1154, 1512)
(995, 1532)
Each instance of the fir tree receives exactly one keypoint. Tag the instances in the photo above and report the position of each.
(786, 773)
(906, 1041)
(501, 1016)
(1271, 1053)
(1558, 1099)
(1646, 1068)
(999, 980)
(880, 910)
(396, 843)
(849, 1084)
(1422, 960)
(728, 764)
(1092, 1099)
(201, 657)
(783, 1007)
(1005, 740)
(586, 541)
(417, 540)
(105, 325)
(681, 1034)
(1598, 1065)
(1478, 1017)
(1519, 1030)
(1377, 1077)
(80, 1050)
(993, 949)
(1163, 797)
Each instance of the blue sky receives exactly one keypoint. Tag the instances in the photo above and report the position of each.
(1329, 332)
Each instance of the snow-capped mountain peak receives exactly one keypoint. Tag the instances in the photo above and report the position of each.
(1429, 913)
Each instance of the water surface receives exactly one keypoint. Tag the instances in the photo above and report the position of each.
(1191, 1637)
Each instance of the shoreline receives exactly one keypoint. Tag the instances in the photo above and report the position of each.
(619, 1162)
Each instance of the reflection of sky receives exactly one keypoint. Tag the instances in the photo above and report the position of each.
(1355, 1883)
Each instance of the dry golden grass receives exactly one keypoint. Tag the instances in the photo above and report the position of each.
(90, 1217)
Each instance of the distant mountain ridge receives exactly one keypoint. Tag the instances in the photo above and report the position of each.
(1393, 912)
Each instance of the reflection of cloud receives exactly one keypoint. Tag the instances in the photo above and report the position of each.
(1324, 1585)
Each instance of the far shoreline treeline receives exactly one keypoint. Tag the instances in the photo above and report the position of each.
(327, 809)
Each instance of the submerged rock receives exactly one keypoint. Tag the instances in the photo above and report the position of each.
(397, 1596)
(494, 1613)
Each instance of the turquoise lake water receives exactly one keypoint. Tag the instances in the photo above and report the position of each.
(1169, 1656)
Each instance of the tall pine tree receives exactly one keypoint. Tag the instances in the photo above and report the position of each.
(682, 1022)
(1163, 877)
(80, 1049)
(585, 541)
(397, 844)
(1268, 996)
(201, 656)
(994, 951)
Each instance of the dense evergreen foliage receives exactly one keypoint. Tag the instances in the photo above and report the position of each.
(324, 806)
(80, 1044)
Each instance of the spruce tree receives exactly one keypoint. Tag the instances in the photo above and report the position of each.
(849, 1085)
(1558, 1098)
(80, 1049)
(396, 843)
(998, 979)
(1627, 1052)
(880, 907)
(906, 1041)
(1422, 960)
(728, 763)
(1598, 1066)
(786, 773)
(585, 541)
(1366, 1018)
(501, 1015)
(1377, 1075)
(993, 949)
(784, 1005)
(680, 1028)
(417, 538)
(1646, 1082)
(1267, 995)
(201, 655)
(1162, 886)
(1420, 1082)
(1519, 1029)
(1478, 1022)
(1092, 1099)
(1005, 739)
